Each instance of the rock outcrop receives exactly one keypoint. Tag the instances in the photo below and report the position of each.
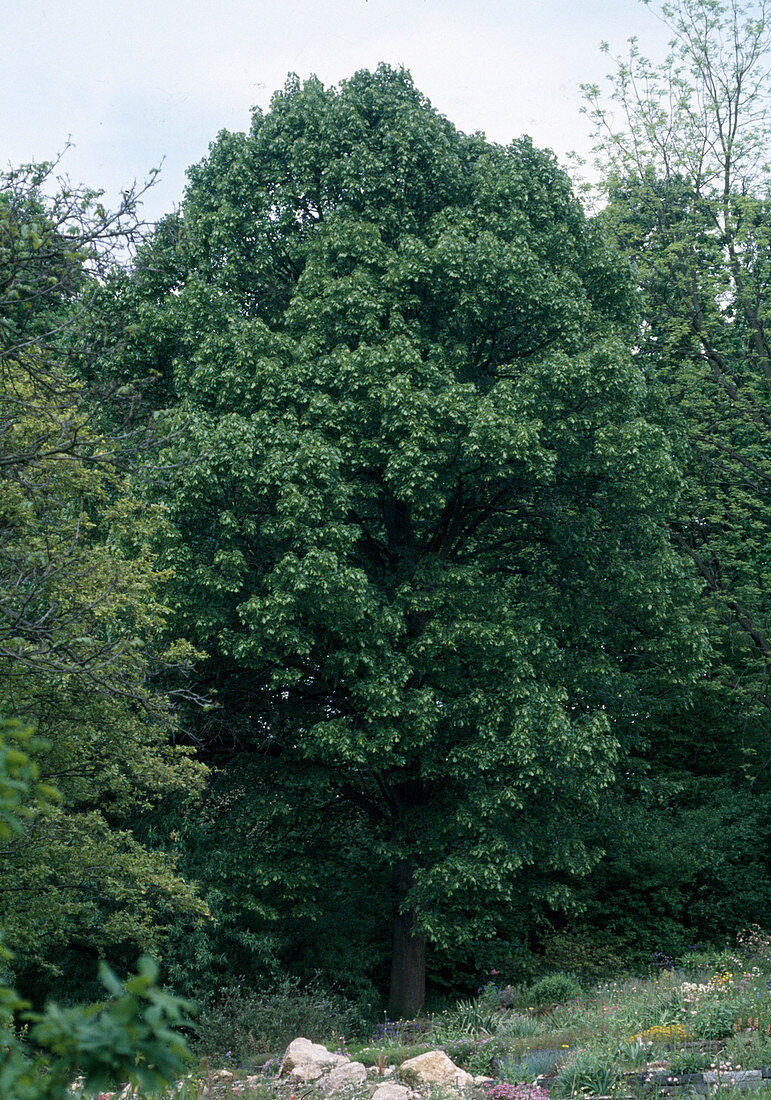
(336, 1074)
(433, 1068)
(307, 1061)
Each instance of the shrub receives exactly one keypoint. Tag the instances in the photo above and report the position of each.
(688, 1061)
(471, 1016)
(587, 1071)
(633, 1053)
(580, 954)
(245, 1022)
(553, 989)
(516, 1026)
(536, 1063)
(754, 945)
(130, 1037)
(714, 1020)
(705, 960)
(481, 1059)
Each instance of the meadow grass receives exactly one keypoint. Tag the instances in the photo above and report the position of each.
(626, 1037)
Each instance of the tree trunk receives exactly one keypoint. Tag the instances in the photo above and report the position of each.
(408, 964)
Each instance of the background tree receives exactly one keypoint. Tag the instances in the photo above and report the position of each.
(687, 177)
(80, 620)
(684, 149)
(129, 1038)
(417, 505)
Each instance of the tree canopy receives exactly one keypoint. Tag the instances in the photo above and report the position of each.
(417, 504)
(686, 171)
(80, 615)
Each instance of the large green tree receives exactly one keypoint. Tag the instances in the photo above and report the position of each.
(417, 502)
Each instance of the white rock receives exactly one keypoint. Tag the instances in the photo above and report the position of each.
(303, 1054)
(435, 1068)
(344, 1077)
(392, 1092)
(310, 1071)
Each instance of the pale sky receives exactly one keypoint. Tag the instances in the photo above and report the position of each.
(133, 83)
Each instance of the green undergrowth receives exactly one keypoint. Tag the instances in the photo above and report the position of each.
(610, 1038)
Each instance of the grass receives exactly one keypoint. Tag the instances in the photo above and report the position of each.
(623, 1038)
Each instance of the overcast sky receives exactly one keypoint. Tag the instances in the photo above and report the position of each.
(133, 83)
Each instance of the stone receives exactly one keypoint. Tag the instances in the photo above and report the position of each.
(434, 1068)
(344, 1077)
(307, 1061)
(392, 1092)
(310, 1071)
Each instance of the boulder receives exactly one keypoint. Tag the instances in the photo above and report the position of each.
(434, 1068)
(308, 1071)
(344, 1077)
(392, 1092)
(307, 1061)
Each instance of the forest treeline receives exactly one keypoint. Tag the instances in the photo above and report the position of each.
(385, 545)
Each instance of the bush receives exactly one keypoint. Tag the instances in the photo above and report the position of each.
(688, 1061)
(536, 1063)
(514, 1025)
(749, 1051)
(472, 1016)
(477, 1056)
(582, 954)
(553, 989)
(707, 960)
(714, 1020)
(587, 1071)
(129, 1037)
(244, 1022)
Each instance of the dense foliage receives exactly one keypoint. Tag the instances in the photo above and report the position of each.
(385, 564)
(80, 618)
(417, 505)
(130, 1037)
(683, 147)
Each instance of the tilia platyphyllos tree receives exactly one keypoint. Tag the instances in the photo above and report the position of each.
(420, 536)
